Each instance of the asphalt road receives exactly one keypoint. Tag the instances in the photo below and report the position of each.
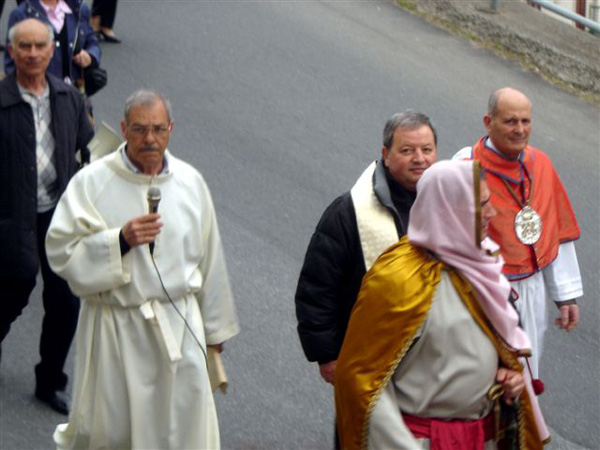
(281, 106)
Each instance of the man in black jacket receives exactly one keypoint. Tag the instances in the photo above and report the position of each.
(42, 125)
(354, 230)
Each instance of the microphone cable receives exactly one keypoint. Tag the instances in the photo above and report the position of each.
(187, 325)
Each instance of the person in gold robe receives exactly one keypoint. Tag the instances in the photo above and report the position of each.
(432, 355)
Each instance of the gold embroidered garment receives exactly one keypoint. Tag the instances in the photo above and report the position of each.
(394, 303)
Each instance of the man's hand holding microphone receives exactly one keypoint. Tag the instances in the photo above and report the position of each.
(144, 229)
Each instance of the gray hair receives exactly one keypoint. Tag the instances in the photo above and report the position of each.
(493, 102)
(13, 30)
(147, 97)
(406, 120)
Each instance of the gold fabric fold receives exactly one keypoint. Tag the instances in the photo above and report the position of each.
(380, 332)
(393, 303)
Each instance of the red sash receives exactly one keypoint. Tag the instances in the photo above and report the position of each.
(453, 434)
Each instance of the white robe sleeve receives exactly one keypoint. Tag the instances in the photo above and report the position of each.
(562, 277)
(81, 248)
(215, 297)
(463, 153)
(386, 426)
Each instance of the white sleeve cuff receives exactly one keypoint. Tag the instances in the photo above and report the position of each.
(562, 276)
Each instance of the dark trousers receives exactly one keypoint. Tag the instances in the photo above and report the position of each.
(107, 10)
(61, 310)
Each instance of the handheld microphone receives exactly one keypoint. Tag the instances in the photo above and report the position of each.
(153, 198)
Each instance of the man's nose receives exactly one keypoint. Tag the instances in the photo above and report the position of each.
(149, 137)
(520, 128)
(418, 155)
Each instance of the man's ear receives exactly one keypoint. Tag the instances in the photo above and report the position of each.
(123, 128)
(487, 120)
(384, 154)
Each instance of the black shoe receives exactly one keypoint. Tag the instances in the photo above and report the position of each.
(112, 38)
(57, 400)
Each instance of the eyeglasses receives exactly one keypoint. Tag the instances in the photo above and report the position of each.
(157, 130)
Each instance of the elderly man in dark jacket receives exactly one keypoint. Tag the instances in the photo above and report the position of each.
(42, 125)
(354, 230)
(76, 46)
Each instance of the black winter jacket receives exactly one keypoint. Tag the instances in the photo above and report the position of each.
(334, 268)
(18, 168)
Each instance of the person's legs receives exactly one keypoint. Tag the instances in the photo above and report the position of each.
(532, 311)
(96, 14)
(97, 8)
(103, 19)
(61, 309)
(108, 15)
(15, 297)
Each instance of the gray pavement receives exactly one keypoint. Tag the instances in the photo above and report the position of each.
(280, 105)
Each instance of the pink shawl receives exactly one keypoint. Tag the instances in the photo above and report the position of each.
(445, 220)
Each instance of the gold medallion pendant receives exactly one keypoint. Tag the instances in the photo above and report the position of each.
(528, 226)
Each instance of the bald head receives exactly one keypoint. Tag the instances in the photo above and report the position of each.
(508, 121)
(508, 94)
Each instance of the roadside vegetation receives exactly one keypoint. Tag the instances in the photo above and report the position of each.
(505, 52)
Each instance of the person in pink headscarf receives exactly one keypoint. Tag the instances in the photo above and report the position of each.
(431, 359)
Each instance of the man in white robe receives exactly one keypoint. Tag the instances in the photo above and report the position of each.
(148, 311)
